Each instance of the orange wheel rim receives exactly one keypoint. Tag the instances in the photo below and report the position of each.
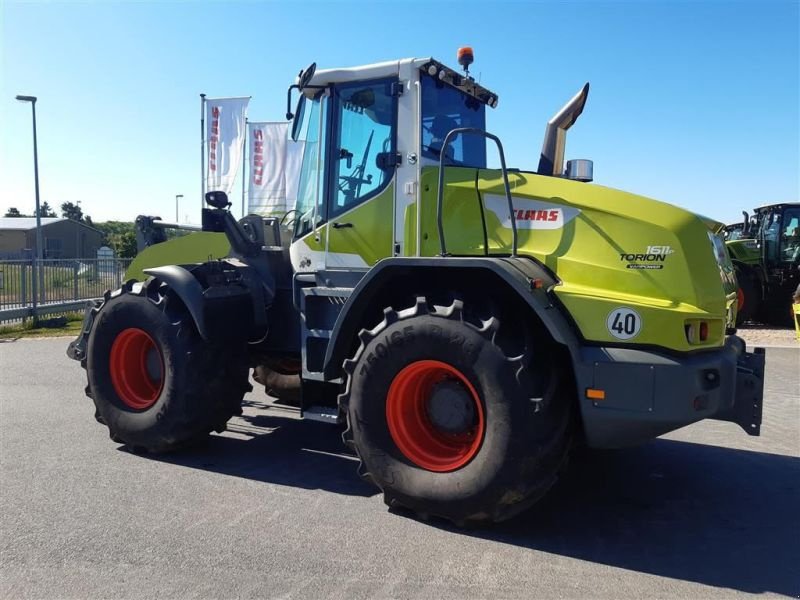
(739, 299)
(435, 416)
(137, 368)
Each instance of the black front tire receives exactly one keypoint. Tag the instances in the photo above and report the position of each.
(526, 401)
(203, 383)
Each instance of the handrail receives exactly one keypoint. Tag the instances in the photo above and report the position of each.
(440, 192)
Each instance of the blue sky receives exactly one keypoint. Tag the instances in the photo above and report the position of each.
(694, 103)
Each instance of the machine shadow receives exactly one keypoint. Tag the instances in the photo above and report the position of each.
(716, 516)
(280, 450)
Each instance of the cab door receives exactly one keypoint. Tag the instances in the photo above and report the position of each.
(360, 191)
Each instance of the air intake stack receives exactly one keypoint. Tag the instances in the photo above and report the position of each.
(551, 161)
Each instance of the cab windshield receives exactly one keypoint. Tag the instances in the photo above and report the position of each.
(445, 108)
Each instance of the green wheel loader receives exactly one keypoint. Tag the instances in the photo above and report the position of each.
(467, 326)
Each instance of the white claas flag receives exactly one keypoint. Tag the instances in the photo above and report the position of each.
(225, 131)
(274, 167)
(267, 149)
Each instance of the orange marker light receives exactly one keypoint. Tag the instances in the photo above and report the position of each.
(465, 56)
(593, 394)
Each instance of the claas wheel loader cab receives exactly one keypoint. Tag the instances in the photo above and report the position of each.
(466, 325)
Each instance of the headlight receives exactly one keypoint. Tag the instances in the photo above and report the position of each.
(720, 252)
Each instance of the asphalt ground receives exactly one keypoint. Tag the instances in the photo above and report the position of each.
(273, 508)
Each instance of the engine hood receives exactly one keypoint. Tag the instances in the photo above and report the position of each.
(609, 249)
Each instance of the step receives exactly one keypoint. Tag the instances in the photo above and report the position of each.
(338, 292)
(317, 376)
(319, 333)
(323, 414)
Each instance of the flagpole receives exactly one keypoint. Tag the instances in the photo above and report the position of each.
(202, 151)
(244, 163)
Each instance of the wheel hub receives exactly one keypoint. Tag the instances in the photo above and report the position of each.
(450, 407)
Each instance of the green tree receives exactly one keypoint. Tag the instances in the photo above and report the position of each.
(46, 211)
(14, 212)
(120, 236)
(72, 211)
(126, 247)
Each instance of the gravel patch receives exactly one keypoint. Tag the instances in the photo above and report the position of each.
(758, 335)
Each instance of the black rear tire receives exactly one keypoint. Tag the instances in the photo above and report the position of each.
(527, 432)
(749, 298)
(201, 384)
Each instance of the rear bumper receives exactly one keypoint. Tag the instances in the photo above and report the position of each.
(648, 394)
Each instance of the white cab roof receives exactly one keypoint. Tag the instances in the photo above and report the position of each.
(389, 68)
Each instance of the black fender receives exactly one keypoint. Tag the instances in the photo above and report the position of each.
(232, 303)
(188, 289)
(529, 279)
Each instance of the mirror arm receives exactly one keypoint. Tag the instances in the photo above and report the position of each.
(289, 113)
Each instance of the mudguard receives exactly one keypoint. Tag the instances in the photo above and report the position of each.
(527, 277)
(188, 289)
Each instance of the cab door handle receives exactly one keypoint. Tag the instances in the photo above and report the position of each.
(337, 225)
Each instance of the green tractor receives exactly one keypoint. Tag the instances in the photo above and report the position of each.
(765, 251)
(467, 326)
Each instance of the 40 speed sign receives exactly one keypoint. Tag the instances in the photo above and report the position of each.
(624, 323)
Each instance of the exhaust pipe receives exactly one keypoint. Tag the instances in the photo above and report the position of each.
(551, 161)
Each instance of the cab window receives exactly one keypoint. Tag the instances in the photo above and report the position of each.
(771, 229)
(790, 238)
(364, 142)
(445, 108)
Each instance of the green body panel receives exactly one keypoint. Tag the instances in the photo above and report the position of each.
(585, 253)
(745, 251)
(370, 236)
(367, 240)
(193, 248)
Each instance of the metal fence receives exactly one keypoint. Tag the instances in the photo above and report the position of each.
(64, 285)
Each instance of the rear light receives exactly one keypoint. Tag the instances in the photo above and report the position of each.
(699, 332)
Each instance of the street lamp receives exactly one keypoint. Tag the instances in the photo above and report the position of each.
(39, 250)
(176, 206)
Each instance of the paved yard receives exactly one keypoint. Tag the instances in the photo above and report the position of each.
(273, 508)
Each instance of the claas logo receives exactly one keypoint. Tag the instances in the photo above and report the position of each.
(536, 215)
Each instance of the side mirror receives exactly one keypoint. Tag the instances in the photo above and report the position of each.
(297, 117)
(304, 78)
(217, 199)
